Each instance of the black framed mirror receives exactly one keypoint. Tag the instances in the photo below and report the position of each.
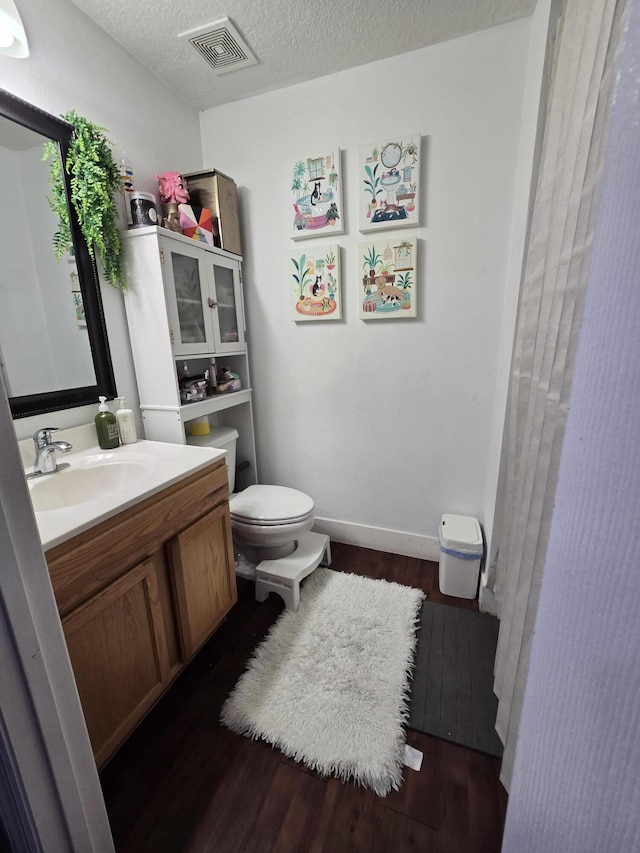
(54, 350)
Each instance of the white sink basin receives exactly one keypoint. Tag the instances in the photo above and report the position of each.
(101, 483)
(90, 479)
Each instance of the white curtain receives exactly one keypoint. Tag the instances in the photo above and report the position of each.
(548, 324)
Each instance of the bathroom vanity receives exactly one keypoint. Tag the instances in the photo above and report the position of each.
(184, 305)
(142, 589)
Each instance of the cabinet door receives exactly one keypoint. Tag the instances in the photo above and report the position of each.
(228, 320)
(118, 650)
(204, 577)
(189, 301)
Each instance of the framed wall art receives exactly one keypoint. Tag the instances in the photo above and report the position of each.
(388, 279)
(316, 196)
(315, 279)
(389, 183)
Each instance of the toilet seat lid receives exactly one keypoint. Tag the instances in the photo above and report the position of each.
(270, 505)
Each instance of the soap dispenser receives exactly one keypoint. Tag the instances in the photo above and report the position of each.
(106, 426)
(126, 423)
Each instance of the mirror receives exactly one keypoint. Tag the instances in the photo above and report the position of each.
(54, 351)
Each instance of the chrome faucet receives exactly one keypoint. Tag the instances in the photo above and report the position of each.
(46, 462)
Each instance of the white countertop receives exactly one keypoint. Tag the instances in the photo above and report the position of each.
(155, 465)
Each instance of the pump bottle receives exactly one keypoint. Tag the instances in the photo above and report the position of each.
(106, 426)
(126, 423)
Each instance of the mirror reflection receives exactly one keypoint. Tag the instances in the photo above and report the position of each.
(54, 352)
(43, 329)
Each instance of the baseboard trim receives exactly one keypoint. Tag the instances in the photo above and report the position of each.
(380, 539)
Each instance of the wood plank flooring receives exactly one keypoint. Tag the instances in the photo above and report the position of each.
(183, 783)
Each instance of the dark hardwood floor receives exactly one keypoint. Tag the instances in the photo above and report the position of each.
(183, 783)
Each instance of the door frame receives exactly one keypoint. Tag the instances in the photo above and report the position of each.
(50, 794)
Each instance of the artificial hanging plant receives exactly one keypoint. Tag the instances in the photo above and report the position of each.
(95, 180)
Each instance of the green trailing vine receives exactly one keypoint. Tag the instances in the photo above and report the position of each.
(95, 180)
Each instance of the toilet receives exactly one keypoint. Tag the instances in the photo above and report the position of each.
(267, 521)
(271, 528)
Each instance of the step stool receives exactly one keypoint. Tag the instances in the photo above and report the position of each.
(283, 576)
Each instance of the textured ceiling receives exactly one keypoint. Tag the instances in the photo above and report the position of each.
(293, 40)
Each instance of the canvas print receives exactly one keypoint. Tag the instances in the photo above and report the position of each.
(315, 278)
(389, 179)
(316, 196)
(388, 279)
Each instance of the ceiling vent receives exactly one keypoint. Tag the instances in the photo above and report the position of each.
(221, 45)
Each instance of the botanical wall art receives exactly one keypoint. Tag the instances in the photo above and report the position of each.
(315, 279)
(316, 196)
(388, 279)
(389, 179)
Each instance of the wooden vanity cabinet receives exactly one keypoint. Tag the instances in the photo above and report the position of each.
(138, 594)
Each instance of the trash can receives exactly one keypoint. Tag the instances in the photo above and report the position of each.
(461, 550)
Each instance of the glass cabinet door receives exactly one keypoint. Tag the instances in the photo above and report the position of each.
(188, 300)
(228, 325)
(204, 299)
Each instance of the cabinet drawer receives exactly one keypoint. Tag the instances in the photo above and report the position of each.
(87, 563)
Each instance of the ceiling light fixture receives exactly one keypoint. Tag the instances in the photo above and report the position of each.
(13, 39)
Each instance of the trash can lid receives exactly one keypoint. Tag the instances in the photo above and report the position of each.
(461, 533)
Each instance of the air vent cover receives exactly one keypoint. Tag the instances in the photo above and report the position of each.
(221, 45)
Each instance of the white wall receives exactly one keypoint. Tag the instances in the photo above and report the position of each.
(75, 65)
(386, 424)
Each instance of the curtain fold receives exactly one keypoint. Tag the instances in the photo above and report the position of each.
(553, 283)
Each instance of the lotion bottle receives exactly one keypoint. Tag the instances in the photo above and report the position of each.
(126, 423)
(106, 426)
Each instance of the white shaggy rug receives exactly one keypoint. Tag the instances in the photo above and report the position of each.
(329, 685)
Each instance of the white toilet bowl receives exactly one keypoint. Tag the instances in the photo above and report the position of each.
(271, 528)
(268, 521)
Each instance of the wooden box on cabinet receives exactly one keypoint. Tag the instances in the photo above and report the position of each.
(219, 193)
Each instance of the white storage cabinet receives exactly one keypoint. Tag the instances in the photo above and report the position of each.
(184, 303)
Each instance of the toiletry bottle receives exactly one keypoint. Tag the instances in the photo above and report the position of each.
(128, 186)
(106, 426)
(212, 382)
(126, 423)
(200, 426)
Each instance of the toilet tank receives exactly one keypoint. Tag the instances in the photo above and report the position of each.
(225, 439)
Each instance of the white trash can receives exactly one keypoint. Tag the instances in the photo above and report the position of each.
(461, 550)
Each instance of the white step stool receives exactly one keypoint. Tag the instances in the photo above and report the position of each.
(284, 575)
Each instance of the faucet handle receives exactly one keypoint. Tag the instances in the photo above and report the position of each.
(43, 436)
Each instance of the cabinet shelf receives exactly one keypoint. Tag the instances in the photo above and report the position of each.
(216, 403)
